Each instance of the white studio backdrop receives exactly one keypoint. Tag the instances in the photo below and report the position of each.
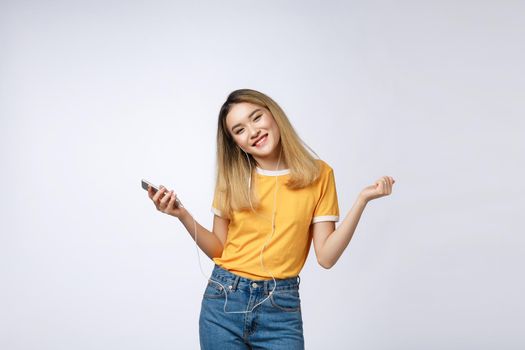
(96, 95)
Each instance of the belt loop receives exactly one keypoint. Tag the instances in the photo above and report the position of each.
(235, 282)
(265, 287)
(298, 280)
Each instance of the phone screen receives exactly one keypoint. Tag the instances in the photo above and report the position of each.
(145, 185)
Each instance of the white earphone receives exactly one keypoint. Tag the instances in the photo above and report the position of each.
(265, 244)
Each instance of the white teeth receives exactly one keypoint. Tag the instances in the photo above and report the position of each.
(261, 140)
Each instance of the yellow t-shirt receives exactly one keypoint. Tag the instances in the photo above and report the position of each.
(287, 250)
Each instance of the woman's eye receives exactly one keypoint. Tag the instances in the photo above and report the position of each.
(257, 118)
(239, 131)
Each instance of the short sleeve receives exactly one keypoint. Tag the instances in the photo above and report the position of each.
(215, 206)
(327, 208)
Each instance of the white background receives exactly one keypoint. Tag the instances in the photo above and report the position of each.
(96, 95)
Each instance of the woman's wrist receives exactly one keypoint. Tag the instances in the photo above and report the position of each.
(184, 215)
(362, 199)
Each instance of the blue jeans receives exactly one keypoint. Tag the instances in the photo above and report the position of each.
(275, 324)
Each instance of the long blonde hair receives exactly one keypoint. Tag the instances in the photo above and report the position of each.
(233, 170)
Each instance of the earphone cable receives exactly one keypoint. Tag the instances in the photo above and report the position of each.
(209, 279)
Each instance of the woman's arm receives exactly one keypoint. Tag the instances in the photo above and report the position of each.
(330, 243)
(211, 243)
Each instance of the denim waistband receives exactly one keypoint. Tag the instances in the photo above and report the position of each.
(234, 281)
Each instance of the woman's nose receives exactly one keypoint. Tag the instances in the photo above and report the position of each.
(254, 133)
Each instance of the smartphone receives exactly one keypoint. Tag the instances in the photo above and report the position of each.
(145, 185)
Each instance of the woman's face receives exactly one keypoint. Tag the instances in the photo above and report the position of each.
(254, 129)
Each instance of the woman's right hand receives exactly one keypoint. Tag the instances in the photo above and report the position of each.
(166, 203)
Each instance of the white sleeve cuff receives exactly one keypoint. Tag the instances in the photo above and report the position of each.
(216, 211)
(325, 218)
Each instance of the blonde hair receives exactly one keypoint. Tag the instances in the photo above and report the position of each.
(233, 170)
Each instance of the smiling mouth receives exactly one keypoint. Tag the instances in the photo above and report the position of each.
(259, 141)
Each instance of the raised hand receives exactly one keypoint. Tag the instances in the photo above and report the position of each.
(382, 187)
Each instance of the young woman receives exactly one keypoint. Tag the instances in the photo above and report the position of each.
(272, 199)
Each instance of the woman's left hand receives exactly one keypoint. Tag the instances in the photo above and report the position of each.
(382, 187)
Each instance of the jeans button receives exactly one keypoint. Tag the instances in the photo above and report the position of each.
(254, 285)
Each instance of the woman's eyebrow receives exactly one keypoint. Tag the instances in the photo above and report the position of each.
(249, 116)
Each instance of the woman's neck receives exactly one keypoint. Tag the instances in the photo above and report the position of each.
(271, 165)
(274, 162)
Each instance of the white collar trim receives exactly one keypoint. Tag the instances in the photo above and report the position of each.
(272, 172)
